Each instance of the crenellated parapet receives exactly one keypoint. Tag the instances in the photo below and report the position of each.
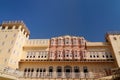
(12, 25)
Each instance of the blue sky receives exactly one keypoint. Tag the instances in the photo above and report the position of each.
(51, 18)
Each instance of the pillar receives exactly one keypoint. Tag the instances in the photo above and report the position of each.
(0, 27)
(54, 74)
(20, 27)
(13, 27)
(6, 27)
(73, 73)
(63, 73)
(34, 73)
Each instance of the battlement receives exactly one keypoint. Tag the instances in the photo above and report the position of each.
(7, 25)
(113, 33)
(10, 22)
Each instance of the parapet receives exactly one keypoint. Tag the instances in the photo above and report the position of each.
(14, 25)
(113, 33)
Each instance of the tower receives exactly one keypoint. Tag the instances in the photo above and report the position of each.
(114, 39)
(13, 35)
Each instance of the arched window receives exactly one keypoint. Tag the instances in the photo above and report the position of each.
(40, 70)
(74, 41)
(28, 69)
(25, 70)
(85, 70)
(37, 70)
(50, 69)
(59, 41)
(32, 70)
(52, 41)
(67, 53)
(59, 71)
(76, 69)
(44, 70)
(66, 41)
(58, 53)
(75, 53)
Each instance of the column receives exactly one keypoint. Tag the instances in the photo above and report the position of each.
(13, 27)
(27, 36)
(34, 73)
(6, 27)
(73, 73)
(0, 27)
(47, 72)
(91, 75)
(54, 75)
(20, 27)
(82, 74)
(63, 73)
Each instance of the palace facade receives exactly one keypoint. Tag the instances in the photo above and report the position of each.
(61, 57)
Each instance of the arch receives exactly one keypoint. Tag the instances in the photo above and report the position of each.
(32, 70)
(51, 69)
(85, 69)
(28, 69)
(76, 69)
(44, 70)
(59, 69)
(25, 70)
(40, 70)
(67, 69)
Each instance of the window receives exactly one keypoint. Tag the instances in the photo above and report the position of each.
(44, 70)
(37, 70)
(75, 55)
(25, 70)
(110, 56)
(14, 52)
(50, 69)
(85, 70)
(59, 55)
(9, 50)
(76, 69)
(52, 41)
(29, 70)
(67, 41)
(75, 41)
(59, 41)
(5, 60)
(91, 56)
(103, 56)
(67, 55)
(3, 27)
(106, 56)
(12, 41)
(14, 35)
(3, 43)
(6, 36)
(32, 70)
(114, 38)
(97, 56)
